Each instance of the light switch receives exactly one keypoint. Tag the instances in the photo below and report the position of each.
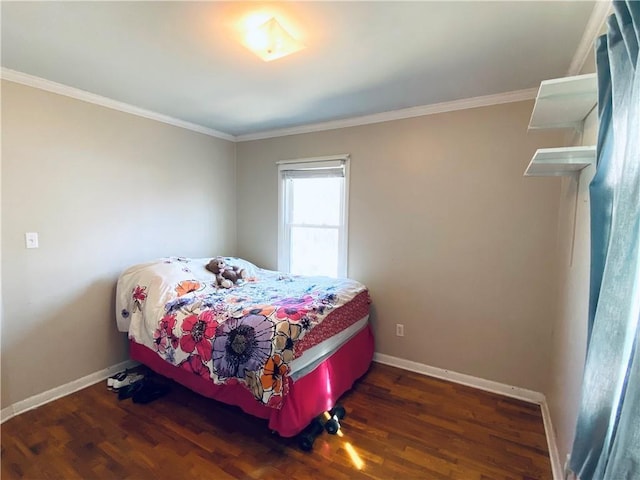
(31, 239)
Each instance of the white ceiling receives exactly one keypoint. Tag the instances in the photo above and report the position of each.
(185, 60)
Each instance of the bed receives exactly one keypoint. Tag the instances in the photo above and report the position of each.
(281, 347)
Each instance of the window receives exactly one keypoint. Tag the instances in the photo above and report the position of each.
(312, 233)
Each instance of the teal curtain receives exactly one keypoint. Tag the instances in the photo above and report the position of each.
(607, 439)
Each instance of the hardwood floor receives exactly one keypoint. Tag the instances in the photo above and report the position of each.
(398, 425)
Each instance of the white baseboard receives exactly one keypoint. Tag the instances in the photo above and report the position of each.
(554, 454)
(6, 413)
(530, 396)
(63, 390)
(461, 378)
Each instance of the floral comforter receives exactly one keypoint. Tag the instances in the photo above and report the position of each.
(245, 334)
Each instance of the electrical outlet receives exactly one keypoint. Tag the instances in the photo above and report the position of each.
(399, 330)
(31, 239)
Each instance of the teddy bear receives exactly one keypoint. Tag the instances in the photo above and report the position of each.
(226, 275)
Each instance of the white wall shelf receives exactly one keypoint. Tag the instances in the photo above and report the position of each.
(564, 102)
(555, 162)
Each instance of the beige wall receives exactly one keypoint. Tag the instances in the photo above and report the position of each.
(451, 239)
(104, 189)
(568, 346)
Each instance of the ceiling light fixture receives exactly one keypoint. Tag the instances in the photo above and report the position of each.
(270, 41)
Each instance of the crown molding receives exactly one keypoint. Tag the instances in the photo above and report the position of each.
(596, 21)
(419, 111)
(474, 102)
(60, 89)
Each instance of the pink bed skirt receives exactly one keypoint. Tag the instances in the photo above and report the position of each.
(308, 396)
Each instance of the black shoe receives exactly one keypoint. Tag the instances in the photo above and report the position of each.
(150, 392)
(130, 390)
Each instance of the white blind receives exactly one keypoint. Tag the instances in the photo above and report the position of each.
(324, 169)
(314, 173)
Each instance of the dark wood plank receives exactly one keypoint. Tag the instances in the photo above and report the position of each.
(400, 424)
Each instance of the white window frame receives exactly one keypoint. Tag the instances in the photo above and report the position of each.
(284, 229)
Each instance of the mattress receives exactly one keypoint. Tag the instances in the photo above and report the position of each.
(311, 358)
